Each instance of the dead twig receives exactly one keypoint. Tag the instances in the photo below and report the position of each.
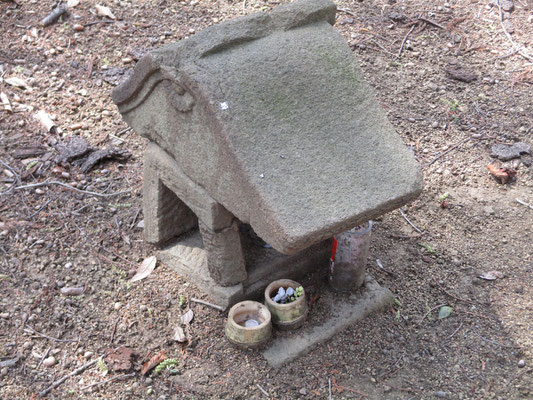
(381, 267)
(114, 331)
(49, 183)
(330, 396)
(50, 337)
(57, 12)
(114, 378)
(262, 390)
(515, 46)
(408, 221)
(205, 303)
(430, 22)
(43, 357)
(430, 311)
(447, 151)
(347, 11)
(524, 203)
(455, 297)
(403, 42)
(77, 371)
(455, 331)
(99, 22)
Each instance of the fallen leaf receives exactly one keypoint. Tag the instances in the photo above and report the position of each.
(104, 11)
(72, 3)
(73, 291)
(145, 269)
(153, 362)
(45, 120)
(179, 335)
(6, 103)
(18, 82)
(445, 312)
(187, 317)
(491, 275)
(502, 174)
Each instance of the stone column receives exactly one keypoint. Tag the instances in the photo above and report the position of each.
(225, 258)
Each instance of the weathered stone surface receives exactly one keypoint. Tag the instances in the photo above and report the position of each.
(270, 115)
(507, 152)
(344, 312)
(225, 259)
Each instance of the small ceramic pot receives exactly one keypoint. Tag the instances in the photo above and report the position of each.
(249, 325)
(289, 315)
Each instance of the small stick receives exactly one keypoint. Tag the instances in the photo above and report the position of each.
(44, 392)
(428, 21)
(409, 222)
(330, 396)
(403, 42)
(115, 378)
(263, 390)
(50, 337)
(40, 209)
(447, 151)
(244, 12)
(205, 303)
(455, 297)
(48, 183)
(380, 265)
(99, 22)
(429, 312)
(113, 332)
(43, 357)
(520, 51)
(350, 390)
(524, 203)
(57, 12)
(347, 11)
(455, 331)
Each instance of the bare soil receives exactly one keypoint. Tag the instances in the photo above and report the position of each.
(52, 237)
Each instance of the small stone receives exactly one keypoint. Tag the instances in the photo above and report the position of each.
(507, 5)
(434, 124)
(88, 354)
(68, 265)
(441, 394)
(3, 371)
(509, 26)
(50, 361)
(127, 60)
(27, 345)
(521, 363)
(117, 305)
(143, 307)
(148, 381)
(303, 391)
(4, 315)
(78, 27)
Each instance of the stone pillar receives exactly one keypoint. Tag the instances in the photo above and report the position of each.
(165, 215)
(225, 258)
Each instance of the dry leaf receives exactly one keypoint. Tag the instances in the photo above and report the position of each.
(502, 174)
(187, 317)
(491, 275)
(179, 335)
(104, 11)
(153, 362)
(72, 3)
(120, 359)
(6, 103)
(73, 291)
(145, 269)
(17, 82)
(45, 120)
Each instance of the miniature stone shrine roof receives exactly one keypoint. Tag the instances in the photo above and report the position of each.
(270, 114)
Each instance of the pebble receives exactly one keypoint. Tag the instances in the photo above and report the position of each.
(441, 394)
(27, 345)
(4, 315)
(68, 265)
(78, 27)
(3, 371)
(148, 381)
(521, 363)
(143, 307)
(118, 305)
(303, 391)
(88, 354)
(435, 124)
(50, 361)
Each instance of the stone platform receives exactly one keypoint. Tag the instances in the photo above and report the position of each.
(346, 310)
(188, 258)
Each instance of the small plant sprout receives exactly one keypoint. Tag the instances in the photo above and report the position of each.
(166, 365)
(428, 248)
(182, 301)
(102, 367)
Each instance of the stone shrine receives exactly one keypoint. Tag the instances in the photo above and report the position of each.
(265, 141)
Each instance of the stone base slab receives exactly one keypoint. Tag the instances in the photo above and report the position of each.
(345, 311)
(188, 258)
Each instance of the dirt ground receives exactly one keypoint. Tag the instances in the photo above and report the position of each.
(52, 237)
